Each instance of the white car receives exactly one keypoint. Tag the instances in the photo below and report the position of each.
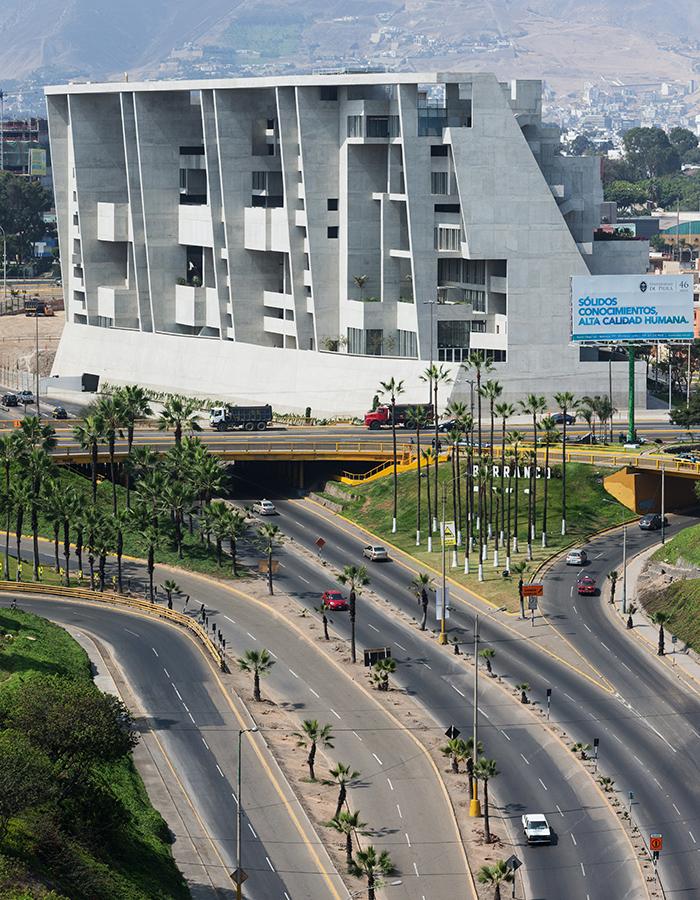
(375, 552)
(264, 508)
(576, 558)
(536, 829)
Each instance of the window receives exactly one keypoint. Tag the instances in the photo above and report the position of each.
(452, 333)
(476, 298)
(356, 343)
(448, 237)
(408, 343)
(332, 204)
(270, 124)
(332, 231)
(439, 182)
(383, 126)
(355, 128)
(479, 326)
(461, 271)
(374, 338)
(447, 207)
(439, 150)
(329, 93)
(191, 151)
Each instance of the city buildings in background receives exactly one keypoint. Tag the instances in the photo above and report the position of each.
(304, 237)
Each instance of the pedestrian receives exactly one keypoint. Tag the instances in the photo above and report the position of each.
(19, 570)
(206, 621)
(218, 634)
(40, 570)
(213, 628)
(13, 605)
(223, 643)
(187, 600)
(202, 611)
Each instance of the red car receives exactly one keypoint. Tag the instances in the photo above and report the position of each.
(586, 585)
(334, 600)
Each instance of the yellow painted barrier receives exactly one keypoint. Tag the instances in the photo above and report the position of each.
(109, 598)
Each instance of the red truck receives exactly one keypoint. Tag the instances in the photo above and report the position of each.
(380, 416)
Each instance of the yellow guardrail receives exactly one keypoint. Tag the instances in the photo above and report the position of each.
(111, 599)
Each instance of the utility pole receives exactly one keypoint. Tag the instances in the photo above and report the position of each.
(624, 570)
(239, 818)
(2, 132)
(687, 386)
(38, 402)
(474, 804)
(670, 378)
(431, 304)
(4, 269)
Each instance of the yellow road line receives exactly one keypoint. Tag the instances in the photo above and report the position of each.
(258, 752)
(605, 686)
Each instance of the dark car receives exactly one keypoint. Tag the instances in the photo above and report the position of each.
(10, 400)
(558, 419)
(652, 522)
(59, 413)
(447, 425)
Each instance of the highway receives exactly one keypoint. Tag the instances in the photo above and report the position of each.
(398, 783)
(665, 774)
(537, 773)
(181, 701)
(632, 752)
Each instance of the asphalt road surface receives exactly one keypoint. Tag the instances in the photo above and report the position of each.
(194, 723)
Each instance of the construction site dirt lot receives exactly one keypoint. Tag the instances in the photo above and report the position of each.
(18, 342)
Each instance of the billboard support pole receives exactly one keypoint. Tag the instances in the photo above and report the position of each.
(631, 430)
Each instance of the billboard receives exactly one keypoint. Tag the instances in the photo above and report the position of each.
(631, 308)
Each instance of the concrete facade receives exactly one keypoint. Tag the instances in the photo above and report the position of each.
(296, 240)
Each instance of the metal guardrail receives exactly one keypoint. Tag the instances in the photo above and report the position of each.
(109, 598)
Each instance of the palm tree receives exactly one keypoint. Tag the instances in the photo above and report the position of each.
(111, 412)
(38, 466)
(355, 577)
(515, 439)
(581, 748)
(134, 405)
(313, 736)
(519, 569)
(170, 586)
(142, 522)
(456, 749)
(236, 527)
(259, 662)
(343, 776)
(392, 389)
(435, 376)
(486, 770)
(469, 760)
(93, 523)
(348, 824)
(523, 687)
(269, 537)
(121, 523)
(481, 364)
(454, 436)
(10, 446)
(178, 497)
(103, 543)
(420, 586)
(361, 281)
(612, 578)
(463, 423)
(567, 404)
(504, 411)
(550, 436)
(34, 434)
(417, 418)
(495, 875)
(487, 654)
(661, 619)
(371, 865)
(20, 499)
(179, 413)
(89, 435)
(534, 405)
(381, 671)
(491, 390)
(208, 477)
(587, 416)
(152, 490)
(53, 510)
(141, 460)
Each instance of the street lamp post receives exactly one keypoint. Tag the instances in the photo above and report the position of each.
(36, 344)
(663, 506)
(239, 815)
(474, 804)
(624, 570)
(443, 618)
(431, 304)
(4, 269)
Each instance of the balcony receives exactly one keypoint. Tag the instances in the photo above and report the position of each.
(273, 325)
(195, 226)
(113, 222)
(498, 284)
(266, 229)
(275, 300)
(118, 303)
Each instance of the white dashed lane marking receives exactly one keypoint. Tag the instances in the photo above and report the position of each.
(378, 759)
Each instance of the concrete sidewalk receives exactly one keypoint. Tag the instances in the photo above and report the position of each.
(679, 657)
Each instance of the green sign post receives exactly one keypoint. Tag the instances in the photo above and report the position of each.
(631, 430)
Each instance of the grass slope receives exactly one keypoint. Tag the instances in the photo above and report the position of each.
(681, 599)
(589, 509)
(198, 557)
(119, 847)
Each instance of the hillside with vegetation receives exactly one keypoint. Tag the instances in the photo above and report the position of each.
(75, 820)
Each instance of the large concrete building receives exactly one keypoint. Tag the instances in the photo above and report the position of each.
(295, 240)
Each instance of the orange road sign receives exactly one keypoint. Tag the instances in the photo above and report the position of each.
(533, 590)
